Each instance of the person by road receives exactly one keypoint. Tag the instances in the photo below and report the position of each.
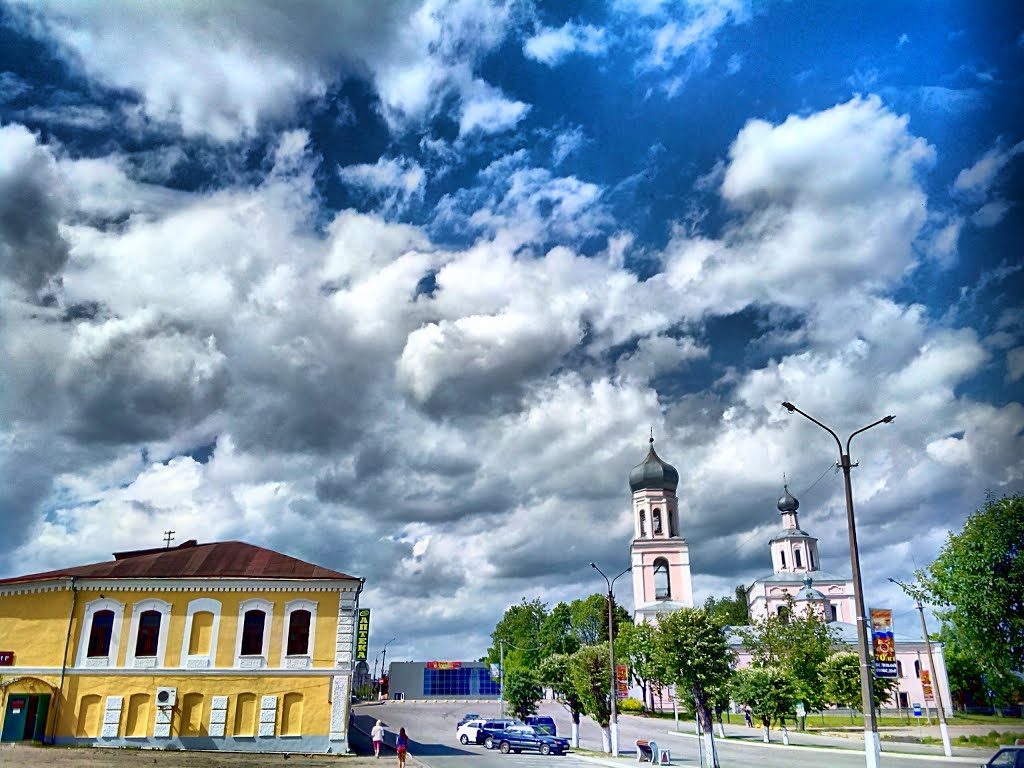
(401, 746)
(747, 716)
(377, 734)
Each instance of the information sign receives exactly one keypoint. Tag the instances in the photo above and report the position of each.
(6, 658)
(926, 685)
(883, 644)
(362, 634)
(917, 709)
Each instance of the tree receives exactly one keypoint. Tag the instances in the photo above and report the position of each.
(978, 579)
(693, 653)
(519, 628)
(731, 611)
(591, 679)
(841, 682)
(554, 672)
(556, 635)
(769, 692)
(798, 644)
(589, 619)
(522, 691)
(640, 652)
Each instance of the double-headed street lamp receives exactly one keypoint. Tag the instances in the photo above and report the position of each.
(613, 725)
(872, 749)
(936, 688)
(384, 655)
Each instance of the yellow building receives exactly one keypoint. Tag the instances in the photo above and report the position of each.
(201, 646)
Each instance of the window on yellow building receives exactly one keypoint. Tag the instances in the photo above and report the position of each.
(298, 633)
(100, 633)
(192, 720)
(291, 715)
(89, 717)
(138, 716)
(245, 715)
(149, 634)
(252, 633)
(202, 633)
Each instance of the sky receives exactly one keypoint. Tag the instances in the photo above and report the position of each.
(402, 288)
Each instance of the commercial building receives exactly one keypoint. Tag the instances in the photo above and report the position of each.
(221, 646)
(442, 680)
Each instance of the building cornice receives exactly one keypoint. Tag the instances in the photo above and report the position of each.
(192, 584)
(180, 672)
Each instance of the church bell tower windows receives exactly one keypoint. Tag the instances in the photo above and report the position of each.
(662, 585)
(656, 516)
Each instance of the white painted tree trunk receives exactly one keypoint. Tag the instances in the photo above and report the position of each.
(721, 730)
(767, 739)
(606, 740)
(575, 735)
(709, 745)
(785, 736)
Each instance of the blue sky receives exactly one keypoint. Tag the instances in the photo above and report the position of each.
(403, 291)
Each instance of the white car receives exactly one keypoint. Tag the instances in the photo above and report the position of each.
(467, 732)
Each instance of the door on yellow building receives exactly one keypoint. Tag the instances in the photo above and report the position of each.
(25, 717)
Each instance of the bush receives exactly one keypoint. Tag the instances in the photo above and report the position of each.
(630, 705)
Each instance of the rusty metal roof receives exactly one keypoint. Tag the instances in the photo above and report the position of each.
(221, 559)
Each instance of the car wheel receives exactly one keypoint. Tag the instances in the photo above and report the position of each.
(489, 743)
(464, 739)
(505, 748)
(545, 749)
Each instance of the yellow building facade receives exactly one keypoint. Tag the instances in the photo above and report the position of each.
(214, 646)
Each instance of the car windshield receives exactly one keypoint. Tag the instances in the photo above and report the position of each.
(524, 729)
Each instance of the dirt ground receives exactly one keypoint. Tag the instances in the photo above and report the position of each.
(28, 756)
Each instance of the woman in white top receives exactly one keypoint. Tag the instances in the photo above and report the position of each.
(377, 734)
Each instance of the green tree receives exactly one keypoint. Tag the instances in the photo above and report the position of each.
(978, 580)
(640, 651)
(841, 682)
(770, 692)
(797, 644)
(519, 628)
(590, 678)
(522, 691)
(556, 635)
(731, 611)
(589, 619)
(554, 672)
(693, 653)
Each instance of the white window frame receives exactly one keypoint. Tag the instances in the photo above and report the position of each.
(148, 662)
(301, 661)
(249, 661)
(201, 660)
(91, 609)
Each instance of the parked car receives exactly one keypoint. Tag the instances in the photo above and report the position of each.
(488, 729)
(543, 724)
(469, 730)
(466, 718)
(1007, 757)
(520, 737)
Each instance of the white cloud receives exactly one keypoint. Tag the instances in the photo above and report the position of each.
(398, 180)
(550, 46)
(990, 213)
(979, 178)
(485, 110)
(1015, 364)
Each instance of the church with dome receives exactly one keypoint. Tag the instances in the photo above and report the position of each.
(662, 583)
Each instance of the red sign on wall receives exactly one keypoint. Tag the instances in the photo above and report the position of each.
(926, 685)
(6, 658)
(444, 664)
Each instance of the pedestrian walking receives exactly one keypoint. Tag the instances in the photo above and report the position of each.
(401, 746)
(377, 734)
(747, 716)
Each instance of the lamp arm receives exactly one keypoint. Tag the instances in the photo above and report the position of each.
(883, 420)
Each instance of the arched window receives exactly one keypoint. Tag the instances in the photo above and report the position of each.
(643, 523)
(245, 715)
(917, 669)
(796, 557)
(662, 589)
(899, 668)
(148, 639)
(298, 633)
(656, 518)
(252, 633)
(291, 715)
(100, 633)
(782, 554)
(201, 636)
(810, 557)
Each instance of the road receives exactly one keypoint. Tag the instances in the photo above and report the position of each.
(431, 729)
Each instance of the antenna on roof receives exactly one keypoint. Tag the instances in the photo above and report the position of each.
(168, 538)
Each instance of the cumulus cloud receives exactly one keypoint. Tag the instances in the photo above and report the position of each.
(550, 46)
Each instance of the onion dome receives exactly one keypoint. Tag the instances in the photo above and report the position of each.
(653, 474)
(808, 592)
(788, 502)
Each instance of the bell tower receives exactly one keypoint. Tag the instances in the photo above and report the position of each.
(659, 555)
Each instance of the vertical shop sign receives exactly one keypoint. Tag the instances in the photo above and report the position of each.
(362, 634)
(883, 643)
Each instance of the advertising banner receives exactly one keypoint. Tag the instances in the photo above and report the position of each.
(883, 643)
(444, 664)
(362, 634)
(926, 685)
(621, 681)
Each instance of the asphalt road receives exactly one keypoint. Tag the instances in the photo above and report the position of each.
(431, 730)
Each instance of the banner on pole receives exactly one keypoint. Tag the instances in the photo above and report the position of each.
(926, 685)
(883, 643)
(621, 681)
(362, 634)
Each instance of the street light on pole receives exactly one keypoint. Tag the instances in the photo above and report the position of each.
(384, 655)
(613, 725)
(872, 749)
(936, 688)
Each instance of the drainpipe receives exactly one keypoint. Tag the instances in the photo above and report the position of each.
(64, 661)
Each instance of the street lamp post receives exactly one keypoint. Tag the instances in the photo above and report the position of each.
(613, 724)
(384, 657)
(872, 749)
(936, 688)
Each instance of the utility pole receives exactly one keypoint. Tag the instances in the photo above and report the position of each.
(501, 674)
(936, 688)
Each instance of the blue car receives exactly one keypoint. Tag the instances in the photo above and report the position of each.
(543, 724)
(520, 737)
